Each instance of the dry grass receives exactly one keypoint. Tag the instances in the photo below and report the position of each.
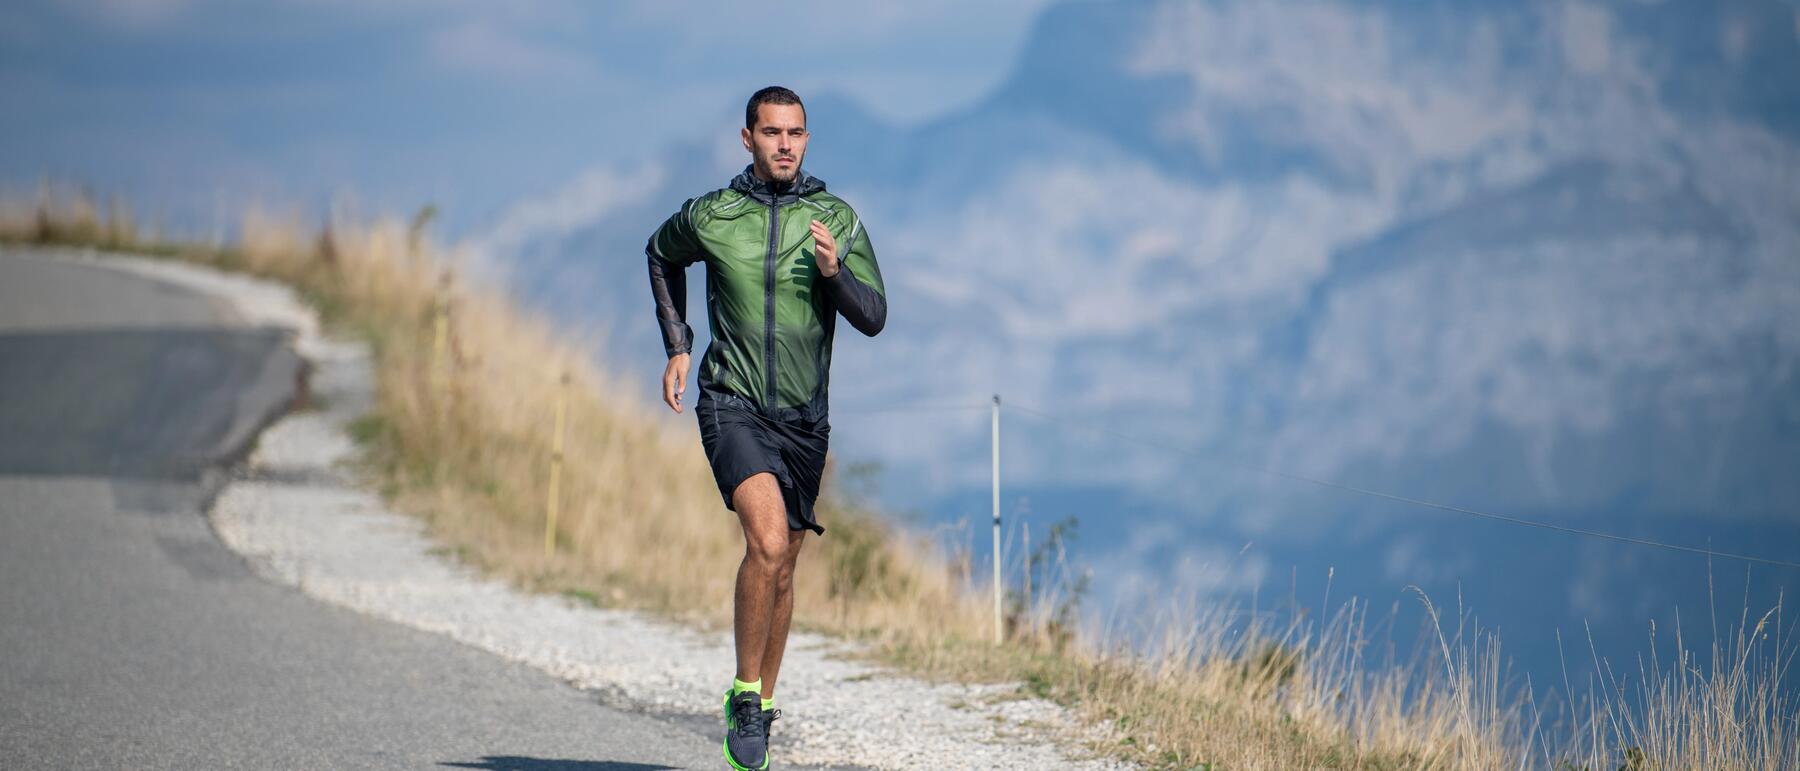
(461, 437)
(1726, 712)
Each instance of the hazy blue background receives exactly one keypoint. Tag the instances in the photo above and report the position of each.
(1535, 258)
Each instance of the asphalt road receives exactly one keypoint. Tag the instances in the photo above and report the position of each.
(131, 638)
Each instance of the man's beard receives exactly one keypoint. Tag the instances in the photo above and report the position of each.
(775, 172)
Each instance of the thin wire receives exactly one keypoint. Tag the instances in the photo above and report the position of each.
(921, 407)
(1064, 423)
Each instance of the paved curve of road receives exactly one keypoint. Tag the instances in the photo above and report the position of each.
(131, 638)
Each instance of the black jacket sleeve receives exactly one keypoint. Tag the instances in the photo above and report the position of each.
(856, 289)
(670, 250)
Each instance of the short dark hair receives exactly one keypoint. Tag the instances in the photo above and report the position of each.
(770, 95)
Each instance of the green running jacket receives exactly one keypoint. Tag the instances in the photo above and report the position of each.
(771, 314)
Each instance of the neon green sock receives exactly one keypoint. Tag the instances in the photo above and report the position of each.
(768, 703)
(739, 686)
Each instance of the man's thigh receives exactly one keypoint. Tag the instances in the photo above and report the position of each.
(760, 507)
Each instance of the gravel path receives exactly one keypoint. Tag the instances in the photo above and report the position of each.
(295, 513)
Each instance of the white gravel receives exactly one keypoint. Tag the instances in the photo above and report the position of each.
(294, 512)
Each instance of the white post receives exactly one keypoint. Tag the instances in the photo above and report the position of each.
(999, 588)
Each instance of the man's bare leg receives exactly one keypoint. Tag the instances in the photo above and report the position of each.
(784, 613)
(764, 517)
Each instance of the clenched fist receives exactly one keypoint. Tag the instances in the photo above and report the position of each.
(825, 249)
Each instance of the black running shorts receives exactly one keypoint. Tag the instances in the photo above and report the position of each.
(741, 441)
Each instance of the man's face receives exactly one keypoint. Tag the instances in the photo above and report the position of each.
(777, 143)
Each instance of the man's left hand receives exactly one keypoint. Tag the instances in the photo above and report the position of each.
(824, 249)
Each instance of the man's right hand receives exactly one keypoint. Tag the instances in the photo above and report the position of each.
(675, 380)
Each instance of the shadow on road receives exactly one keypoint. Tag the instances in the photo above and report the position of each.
(139, 403)
(516, 763)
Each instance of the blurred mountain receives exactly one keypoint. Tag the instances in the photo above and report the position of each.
(1540, 256)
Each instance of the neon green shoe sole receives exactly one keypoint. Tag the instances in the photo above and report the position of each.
(726, 749)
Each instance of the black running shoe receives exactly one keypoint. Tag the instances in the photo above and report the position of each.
(769, 718)
(747, 732)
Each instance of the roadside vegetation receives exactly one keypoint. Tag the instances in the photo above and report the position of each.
(462, 437)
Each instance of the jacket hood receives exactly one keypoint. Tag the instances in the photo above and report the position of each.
(749, 184)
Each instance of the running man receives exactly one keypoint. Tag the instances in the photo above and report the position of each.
(783, 259)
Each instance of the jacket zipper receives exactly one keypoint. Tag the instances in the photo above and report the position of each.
(769, 306)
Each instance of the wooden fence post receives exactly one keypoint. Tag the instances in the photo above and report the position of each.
(556, 461)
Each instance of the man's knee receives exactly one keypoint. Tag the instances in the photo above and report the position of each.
(767, 552)
(784, 579)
